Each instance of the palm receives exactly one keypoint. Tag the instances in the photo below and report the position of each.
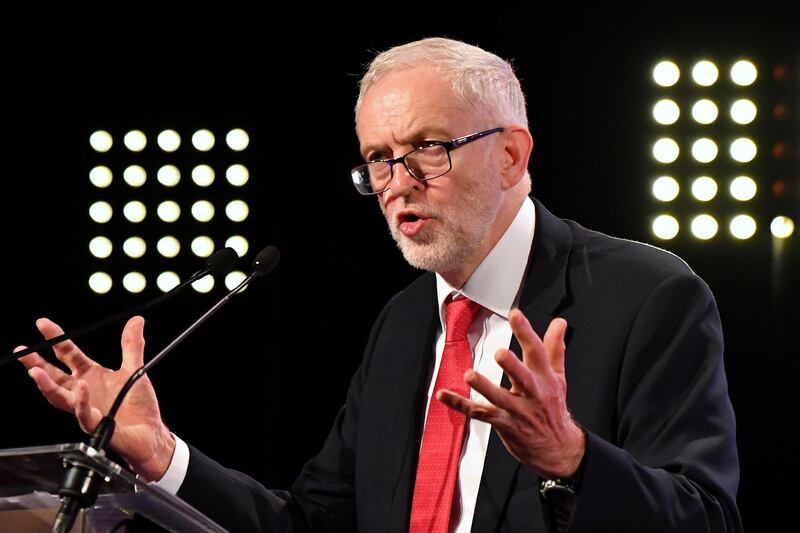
(137, 416)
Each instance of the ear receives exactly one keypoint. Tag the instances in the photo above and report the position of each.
(518, 144)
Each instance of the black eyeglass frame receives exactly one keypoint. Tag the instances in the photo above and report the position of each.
(448, 146)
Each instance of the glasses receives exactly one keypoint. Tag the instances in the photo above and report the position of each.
(425, 163)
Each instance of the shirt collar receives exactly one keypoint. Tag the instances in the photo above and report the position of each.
(495, 283)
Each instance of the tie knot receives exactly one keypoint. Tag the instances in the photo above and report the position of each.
(460, 314)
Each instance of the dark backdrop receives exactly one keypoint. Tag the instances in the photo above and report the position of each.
(258, 386)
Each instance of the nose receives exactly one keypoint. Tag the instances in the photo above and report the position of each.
(402, 182)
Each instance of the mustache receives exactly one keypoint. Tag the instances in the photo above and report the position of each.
(424, 211)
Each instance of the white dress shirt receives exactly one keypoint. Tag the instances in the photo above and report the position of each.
(495, 285)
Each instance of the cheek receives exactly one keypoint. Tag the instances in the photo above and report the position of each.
(480, 190)
(443, 190)
(387, 208)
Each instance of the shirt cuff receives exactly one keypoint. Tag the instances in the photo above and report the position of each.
(176, 473)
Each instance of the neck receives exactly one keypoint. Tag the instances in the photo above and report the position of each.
(457, 278)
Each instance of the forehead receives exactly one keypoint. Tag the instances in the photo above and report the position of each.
(406, 103)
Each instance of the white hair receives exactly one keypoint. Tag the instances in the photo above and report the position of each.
(478, 78)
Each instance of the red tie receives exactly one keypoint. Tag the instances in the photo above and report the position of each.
(442, 440)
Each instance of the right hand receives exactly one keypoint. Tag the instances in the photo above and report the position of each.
(88, 391)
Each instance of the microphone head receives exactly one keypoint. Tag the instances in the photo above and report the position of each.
(266, 260)
(222, 261)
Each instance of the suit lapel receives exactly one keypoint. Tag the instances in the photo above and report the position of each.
(543, 291)
(414, 357)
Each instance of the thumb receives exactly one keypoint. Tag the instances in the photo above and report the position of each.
(133, 344)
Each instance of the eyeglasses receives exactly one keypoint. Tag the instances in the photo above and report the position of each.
(425, 163)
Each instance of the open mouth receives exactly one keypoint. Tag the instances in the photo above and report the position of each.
(411, 223)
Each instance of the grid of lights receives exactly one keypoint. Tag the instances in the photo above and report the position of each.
(148, 209)
(706, 177)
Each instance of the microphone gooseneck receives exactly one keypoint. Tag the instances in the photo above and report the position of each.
(80, 484)
(220, 262)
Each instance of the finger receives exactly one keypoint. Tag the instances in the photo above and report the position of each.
(484, 412)
(498, 396)
(133, 344)
(30, 360)
(88, 417)
(35, 360)
(58, 396)
(533, 353)
(554, 345)
(522, 379)
(66, 351)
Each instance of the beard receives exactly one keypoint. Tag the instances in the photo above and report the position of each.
(455, 234)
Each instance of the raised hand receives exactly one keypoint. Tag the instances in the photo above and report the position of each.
(531, 417)
(89, 389)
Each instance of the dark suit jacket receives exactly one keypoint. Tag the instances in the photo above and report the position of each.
(645, 378)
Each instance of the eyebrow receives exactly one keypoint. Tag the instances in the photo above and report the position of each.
(434, 132)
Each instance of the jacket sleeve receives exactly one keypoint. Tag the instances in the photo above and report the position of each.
(673, 466)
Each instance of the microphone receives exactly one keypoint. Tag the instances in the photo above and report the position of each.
(219, 263)
(80, 484)
(266, 261)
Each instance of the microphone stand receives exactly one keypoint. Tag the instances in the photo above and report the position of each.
(80, 485)
(219, 263)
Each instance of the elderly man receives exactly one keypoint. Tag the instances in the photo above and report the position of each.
(539, 376)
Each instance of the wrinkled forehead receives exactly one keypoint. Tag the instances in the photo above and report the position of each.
(417, 82)
(395, 126)
(411, 98)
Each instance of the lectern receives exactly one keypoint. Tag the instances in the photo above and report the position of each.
(29, 481)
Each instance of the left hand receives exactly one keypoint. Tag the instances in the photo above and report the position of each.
(88, 390)
(531, 418)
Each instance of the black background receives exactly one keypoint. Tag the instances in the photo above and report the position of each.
(258, 386)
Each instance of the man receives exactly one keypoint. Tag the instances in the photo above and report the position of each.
(618, 420)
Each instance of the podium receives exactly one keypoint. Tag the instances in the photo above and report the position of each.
(29, 481)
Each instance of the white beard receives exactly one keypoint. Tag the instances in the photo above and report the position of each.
(454, 235)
